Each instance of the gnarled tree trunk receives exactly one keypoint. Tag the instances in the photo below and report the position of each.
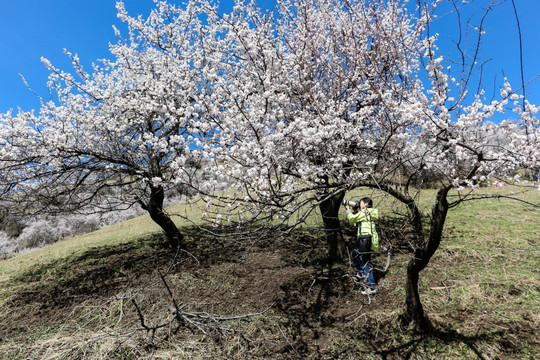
(330, 216)
(155, 209)
(414, 315)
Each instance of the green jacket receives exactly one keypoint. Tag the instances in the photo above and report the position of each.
(366, 218)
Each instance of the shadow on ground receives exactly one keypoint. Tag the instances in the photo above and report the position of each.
(317, 310)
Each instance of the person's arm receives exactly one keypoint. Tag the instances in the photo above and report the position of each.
(356, 217)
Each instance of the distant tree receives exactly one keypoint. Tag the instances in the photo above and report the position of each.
(320, 97)
(130, 124)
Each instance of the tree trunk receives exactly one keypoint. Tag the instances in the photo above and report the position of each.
(414, 315)
(155, 209)
(334, 238)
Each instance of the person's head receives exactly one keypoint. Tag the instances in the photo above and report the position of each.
(366, 203)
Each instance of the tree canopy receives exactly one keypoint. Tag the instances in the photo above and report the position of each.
(130, 123)
(318, 97)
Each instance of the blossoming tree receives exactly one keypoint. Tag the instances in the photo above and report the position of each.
(309, 99)
(323, 96)
(129, 125)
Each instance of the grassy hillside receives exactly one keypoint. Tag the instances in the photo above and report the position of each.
(119, 294)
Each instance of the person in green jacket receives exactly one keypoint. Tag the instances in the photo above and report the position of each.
(364, 218)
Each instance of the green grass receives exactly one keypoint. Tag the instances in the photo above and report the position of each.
(489, 265)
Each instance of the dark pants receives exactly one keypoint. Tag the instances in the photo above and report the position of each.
(363, 266)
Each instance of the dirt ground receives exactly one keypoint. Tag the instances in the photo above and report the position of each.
(233, 298)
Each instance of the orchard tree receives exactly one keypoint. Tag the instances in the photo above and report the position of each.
(310, 96)
(323, 96)
(120, 134)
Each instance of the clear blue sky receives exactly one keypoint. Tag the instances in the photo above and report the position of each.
(30, 29)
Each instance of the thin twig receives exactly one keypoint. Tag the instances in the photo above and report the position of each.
(288, 342)
(496, 197)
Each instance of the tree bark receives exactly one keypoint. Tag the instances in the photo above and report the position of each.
(334, 237)
(414, 315)
(155, 209)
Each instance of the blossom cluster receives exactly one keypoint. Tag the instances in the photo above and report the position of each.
(286, 107)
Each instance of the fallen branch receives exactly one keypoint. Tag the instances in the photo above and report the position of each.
(203, 322)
